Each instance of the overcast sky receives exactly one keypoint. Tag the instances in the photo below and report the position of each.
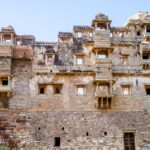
(45, 18)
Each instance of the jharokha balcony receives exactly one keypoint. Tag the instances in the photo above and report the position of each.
(24, 51)
(145, 47)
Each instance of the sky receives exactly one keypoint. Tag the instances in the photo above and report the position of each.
(45, 18)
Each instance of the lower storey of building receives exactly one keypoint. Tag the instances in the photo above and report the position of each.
(74, 130)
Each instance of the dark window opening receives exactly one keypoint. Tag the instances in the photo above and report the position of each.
(145, 56)
(104, 103)
(105, 133)
(4, 82)
(109, 103)
(129, 142)
(138, 33)
(87, 133)
(39, 128)
(57, 141)
(57, 90)
(62, 128)
(148, 91)
(148, 30)
(42, 91)
(137, 82)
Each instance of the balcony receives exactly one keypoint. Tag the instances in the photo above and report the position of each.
(103, 72)
(126, 69)
(105, 76)
(5, 51)
(23, 52)
(102, 39)
(120, 40)
(63, 69)
(145, 47)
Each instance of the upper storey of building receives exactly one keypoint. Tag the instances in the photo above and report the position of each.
(101, 24)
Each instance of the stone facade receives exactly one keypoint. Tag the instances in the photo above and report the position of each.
(90, 90)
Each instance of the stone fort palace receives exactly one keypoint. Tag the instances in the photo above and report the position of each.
(90, 90)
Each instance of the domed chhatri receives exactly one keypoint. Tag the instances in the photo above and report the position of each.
(101, 16)
(139, 17)
(8, 28)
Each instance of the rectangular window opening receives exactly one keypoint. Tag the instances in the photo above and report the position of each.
(148, 91)
(57, 141)
(80, 90)
(57, 88)
(145, 56)
(79, 61)
(126, 90)
(5, 82)
(42, 89)
(104, 103)
(129, 141)
(138, 33)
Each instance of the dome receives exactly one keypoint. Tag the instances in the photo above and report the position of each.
(138, 17)
(8, 28)
(101, 16)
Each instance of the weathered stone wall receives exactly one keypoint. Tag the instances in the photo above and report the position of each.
(21, 72)
(69, 100)
(77, 130)
(5, 65)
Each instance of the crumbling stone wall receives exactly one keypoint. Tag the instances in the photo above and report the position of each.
(77, 130)
(21, 71)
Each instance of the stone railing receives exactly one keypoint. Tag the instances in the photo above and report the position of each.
(3, 43)
(147, 71)
(134, 21)
(5, 51)
(125, 51)
(126, 69)
(103, 93)
(57, 69)
(145, 47)
(137, 39)
(103, 71)
(25, 47)
(146, 34)
(104, 60)
(102, 33)
(103, 76)
(145, 61)
(5, 88)
(102, 43)
(120, 40)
